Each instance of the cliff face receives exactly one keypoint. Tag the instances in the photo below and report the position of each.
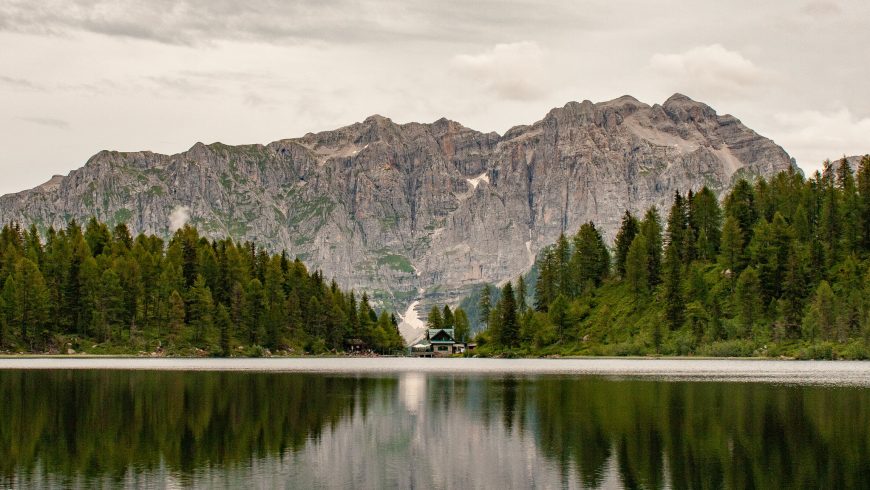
(398, 208)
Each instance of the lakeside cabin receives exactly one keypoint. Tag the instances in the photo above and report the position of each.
(438, 342)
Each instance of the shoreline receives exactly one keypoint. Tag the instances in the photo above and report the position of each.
(800, 372)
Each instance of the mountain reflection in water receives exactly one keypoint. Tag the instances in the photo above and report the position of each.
(418, 430)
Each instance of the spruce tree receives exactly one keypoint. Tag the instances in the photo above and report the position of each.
(637, 268)
(673, 288)
(628, 229)
(447, 317)
(748, 295)
(223, 323)
(485, 303)
(463, 328)
(652, 229)
(731, 251)
(434, 320)
(706, 221)
(509, 326)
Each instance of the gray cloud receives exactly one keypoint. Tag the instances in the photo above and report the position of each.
(823, 8)
(46, 121)
(20, 83)
(710, 68)
(512, 71)
(203, 21)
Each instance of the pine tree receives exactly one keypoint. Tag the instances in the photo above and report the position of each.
(558, 316)
(273, 291)
(675, 235)
(821, 318)
(521, 292)
(447, 317)
(434, 320)
(590, 261)
(177, 312)
(463, 328)
(731, 252)
(636, 267)
(706, 221)
(255, 306)
(740, 204)
(652, 229)
(545, 288)
(629, 229)
(748, 295)
(201, 305)
(111, 304)
(509, 327)
(674, 302)
(223, 323)
(485, 304)
(564, 283)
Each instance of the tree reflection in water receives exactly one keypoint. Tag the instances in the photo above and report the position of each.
(69, 428)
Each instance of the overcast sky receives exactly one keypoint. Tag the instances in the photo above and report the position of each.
(79, 76)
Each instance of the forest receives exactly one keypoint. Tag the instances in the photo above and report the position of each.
(780, 267)
(102, 291)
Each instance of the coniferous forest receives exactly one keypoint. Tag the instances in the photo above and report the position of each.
(776, 268)
(101, 290)
(780, 267)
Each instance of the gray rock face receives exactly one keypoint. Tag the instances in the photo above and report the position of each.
(398, 208)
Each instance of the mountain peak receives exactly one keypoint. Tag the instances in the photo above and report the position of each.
(396, 209)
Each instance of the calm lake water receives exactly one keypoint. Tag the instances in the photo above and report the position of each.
(420, 423)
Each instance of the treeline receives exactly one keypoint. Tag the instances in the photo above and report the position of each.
(102, 290)
(781, 268)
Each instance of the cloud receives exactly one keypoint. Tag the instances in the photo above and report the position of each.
(46, 121)
(513, 71)
(190, 22)
(178, 218)
(20, 83)
(711, 68)
(812, 136)
(824, 8)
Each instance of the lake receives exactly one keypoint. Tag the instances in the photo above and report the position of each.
(433, 423)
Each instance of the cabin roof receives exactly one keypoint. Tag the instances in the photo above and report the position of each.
(441, 336)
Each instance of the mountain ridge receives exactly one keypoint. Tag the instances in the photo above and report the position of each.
(394, 209)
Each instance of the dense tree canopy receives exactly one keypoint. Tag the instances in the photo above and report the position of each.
(96, 288)
(782, 268)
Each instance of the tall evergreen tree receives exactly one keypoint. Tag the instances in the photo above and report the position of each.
(447, 317)
(509, 326)
(748, 295)
(636, 267)
(463, 328)
(590, 260)
(485, 304)
(652, 229)
(521, 292)
(673, 284)
(706, 221)
(628, 229)
(434, 320)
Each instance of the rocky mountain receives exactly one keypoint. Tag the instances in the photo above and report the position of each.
(418, 211)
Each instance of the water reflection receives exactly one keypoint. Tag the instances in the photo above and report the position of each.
(116, 428)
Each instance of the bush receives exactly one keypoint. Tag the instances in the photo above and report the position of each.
(729, 348)
(824, 350)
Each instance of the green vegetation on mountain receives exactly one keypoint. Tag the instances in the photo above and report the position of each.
(103, 291)
(783, 268)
